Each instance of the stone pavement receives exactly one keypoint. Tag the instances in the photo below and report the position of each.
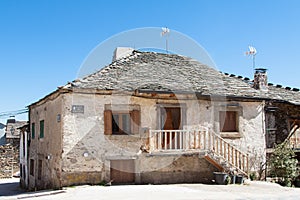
(251, 190)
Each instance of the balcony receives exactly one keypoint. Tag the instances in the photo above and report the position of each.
(200, 140)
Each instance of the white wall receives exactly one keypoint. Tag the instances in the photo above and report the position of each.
(85, 142)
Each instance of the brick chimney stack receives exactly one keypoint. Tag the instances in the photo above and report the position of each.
(260, 79)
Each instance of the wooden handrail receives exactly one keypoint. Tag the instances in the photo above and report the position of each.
(202, 139)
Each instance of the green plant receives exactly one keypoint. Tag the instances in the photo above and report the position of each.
(253, 176)
(228, 180)
(102, 183)
(283, 165)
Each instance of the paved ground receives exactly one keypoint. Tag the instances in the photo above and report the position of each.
(253, 190)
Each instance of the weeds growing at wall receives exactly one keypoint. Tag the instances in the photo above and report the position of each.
(283, 165)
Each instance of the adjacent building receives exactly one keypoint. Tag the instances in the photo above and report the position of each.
(12, 132)
(2, 134)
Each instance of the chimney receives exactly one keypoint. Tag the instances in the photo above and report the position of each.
(11, 120)
(260, 79)
(121, 52)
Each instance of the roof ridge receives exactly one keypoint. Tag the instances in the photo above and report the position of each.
(246, 79)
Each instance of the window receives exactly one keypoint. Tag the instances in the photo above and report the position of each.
(228, 121)
(40, 166)
(42, 129)
(33, 130)
(123, 121)
(31, 172)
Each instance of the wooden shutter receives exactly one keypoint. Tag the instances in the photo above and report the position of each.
(136, 121)
(228, 121)
(107, 122)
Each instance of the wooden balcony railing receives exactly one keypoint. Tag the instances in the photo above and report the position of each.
(202, 139)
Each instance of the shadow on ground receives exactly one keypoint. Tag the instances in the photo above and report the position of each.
(10, 189)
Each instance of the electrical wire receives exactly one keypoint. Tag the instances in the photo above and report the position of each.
(13, 113)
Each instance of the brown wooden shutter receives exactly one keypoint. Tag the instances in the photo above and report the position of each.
(107, 122)
(136, 121)
(231, 121)
(228, 121)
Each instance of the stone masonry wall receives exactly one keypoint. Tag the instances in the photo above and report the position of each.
(9, 157)
(277, 121)
(86, 150)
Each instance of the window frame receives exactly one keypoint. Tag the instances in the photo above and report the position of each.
(132, 110)
(235, 107)
(42, 129)
(224, 122)
(33, 130)
(120, 123)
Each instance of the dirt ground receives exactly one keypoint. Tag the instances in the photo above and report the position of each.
(250, 190)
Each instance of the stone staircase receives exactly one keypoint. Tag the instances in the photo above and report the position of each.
(222, 165)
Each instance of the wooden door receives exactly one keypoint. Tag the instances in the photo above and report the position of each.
(122, 171)
(171, 120)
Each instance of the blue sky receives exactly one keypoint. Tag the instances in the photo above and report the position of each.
(44, 42)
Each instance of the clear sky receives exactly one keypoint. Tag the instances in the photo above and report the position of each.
(44, 42)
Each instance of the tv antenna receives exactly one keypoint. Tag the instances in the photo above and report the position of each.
(165, 32)
(252, 52)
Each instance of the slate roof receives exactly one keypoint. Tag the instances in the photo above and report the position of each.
(159, 72)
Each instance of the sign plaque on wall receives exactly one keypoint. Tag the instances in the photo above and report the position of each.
(77, 108)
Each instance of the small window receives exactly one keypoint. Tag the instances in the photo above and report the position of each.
(42, 129)
(40, 166)
(119, 123)
(228, 121)
(33, 130)
(31, 172)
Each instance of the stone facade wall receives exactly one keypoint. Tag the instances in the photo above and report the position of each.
(86, 150)
(277, 122)
(9, 160)
(252, 133)
(46, 152)
(166, 169)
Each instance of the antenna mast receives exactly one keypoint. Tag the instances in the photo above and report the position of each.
(165, 32)
(252, 52)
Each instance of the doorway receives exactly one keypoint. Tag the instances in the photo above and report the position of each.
(170, 120)
(122, 171)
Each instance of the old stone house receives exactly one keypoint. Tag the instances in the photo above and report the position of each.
(156, 118)
(12, 132)
(23, 155)
(9, 147)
